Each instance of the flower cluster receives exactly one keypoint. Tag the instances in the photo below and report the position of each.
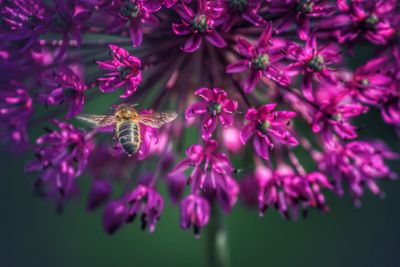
(261, 88)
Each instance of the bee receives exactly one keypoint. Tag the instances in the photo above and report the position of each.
(126, 123)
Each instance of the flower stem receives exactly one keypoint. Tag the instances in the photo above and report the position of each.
(218, 247)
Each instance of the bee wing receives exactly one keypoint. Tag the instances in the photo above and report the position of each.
(157, 119)
(97, 121)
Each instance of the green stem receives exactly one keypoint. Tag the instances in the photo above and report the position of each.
(218, 247)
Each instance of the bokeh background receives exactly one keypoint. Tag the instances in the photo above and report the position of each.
(33, 234)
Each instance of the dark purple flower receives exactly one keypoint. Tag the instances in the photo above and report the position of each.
(313, 63)
(63, 87)
(114, 216)
(157, 4)
(15, 111)
(135, 13)
(25, 20)
(216, 106)
(197, 25)
(66, 18)
(147, 203)
(299, 12)
(124, 70)
(176, 186)
(61, 157)
(370, 84)
(367, 19)
(259, 60)
(265, 124)
(358, 164)
(194, 212)
(232, 11)
(335, 112)
(206, 163)
(99, 193)
(281, 189)
(391, 110)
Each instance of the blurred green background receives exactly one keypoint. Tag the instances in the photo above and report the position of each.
(33, 234)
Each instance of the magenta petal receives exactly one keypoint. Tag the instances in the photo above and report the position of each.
(206, 93)
(215, 39)
(181, 29)
(136, 32)
(245, 48)
(193, 43)
(238, 66)
(252, 81)
(261, 146)
(209, 125)
(196, 109)
(306, 86)
(181, 167)
(247, 131)
(263, 42)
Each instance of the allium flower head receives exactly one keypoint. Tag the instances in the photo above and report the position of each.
(302, 81)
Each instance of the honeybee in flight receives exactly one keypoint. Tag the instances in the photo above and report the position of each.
(126, 122)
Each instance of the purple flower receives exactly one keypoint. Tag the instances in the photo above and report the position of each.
(15, 111)
(370, 84)
(281, 189)
(136, 13)
(197, 25)
(64, 87)
(265, 124)
(312, 62)
(316, 182)
(216, 106)
(299, 12)
(194, 212)
(147, 202)
(367, 19)
(149, 138)
(391, 110)
(114, 216)
(25, 20)
(335, 113)
(259, 60)
(206, 163)
(124, 71)
(176, 186)
(358, 164)
(234, 10)
(99, 193)
(157, 4)
(143, 201)
(67, 19)
(61, 157)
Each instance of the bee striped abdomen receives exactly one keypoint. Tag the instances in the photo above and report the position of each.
(128, 134)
